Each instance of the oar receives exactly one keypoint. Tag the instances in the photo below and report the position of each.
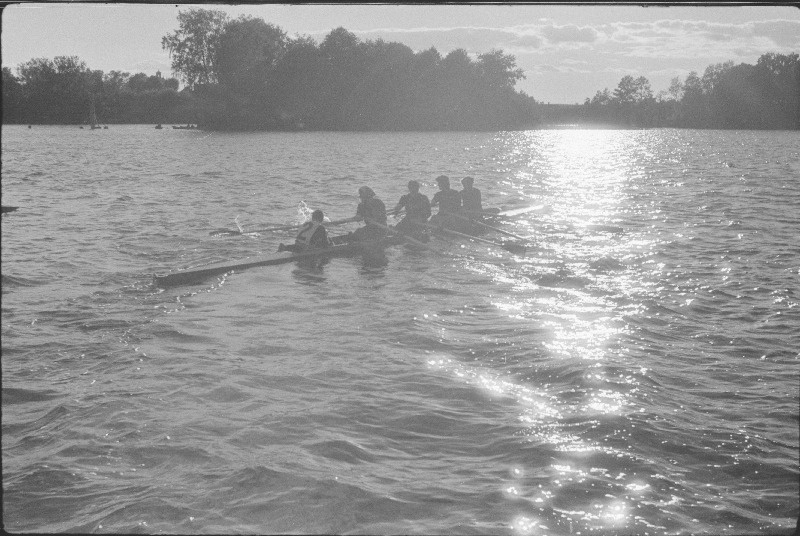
(488, 214)
(404, 236)
(507, 214)
(228, 232)
(486, 226)
(517, 249)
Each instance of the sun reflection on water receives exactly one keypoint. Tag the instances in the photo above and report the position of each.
(584, 178)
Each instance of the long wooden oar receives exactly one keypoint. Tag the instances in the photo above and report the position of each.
(517, 249)
(228, 232)
(404, 236)
(507, 214)
(486, 226)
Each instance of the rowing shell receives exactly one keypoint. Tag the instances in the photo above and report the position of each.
(195, 275)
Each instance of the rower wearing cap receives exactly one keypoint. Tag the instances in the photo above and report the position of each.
(471, 198)
(448, 201)
(372, 212)
(418, 209)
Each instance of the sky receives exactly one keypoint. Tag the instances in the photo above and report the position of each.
(567, 52)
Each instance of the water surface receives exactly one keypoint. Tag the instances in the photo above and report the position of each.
(635, 373)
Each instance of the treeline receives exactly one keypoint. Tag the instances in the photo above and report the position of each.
(246, 74)
(249, 75)
(62, 90)
(761, 96)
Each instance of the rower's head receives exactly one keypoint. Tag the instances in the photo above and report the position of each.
(365, 192)
(317, 215)
(443, 181)
(467, 182)
(413, 187)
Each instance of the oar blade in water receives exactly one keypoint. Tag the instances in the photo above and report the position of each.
(515, 248)
(225, 232)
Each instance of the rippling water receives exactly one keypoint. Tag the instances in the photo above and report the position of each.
(635, 373)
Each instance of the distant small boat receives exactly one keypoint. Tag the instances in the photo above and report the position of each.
(159, 127)
(93, 117)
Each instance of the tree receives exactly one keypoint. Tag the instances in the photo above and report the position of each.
(602, 98)
(633, 90)
(344, 65)
(693, 108)
(778, 77)
(57, 90)
(675, 89)
(295, 85)
(338, 43)
(248, 51)
(499, 69)
(13, 98)
(712, 76)
(193, 46)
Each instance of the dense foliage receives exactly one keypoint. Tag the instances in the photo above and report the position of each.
(262, 79)
(246, 74)
(61, 91)
(761, 96)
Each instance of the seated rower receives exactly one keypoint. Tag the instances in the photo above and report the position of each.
(471, 199)
(372, 211)
(449, 202)
(312, 235)
(418, 210)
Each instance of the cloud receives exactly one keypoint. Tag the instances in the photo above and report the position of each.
(545, 68)
(569, 33)
(563, 66)
(599, 52)
(528, 42)
(473, 39)
(522, 38)
(785, 33)
(698, 40)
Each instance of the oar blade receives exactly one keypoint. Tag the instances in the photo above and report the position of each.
(225, 232)
(515, 248)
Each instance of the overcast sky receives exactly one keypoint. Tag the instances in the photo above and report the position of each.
(568, 52)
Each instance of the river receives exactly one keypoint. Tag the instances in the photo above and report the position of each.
(635, 372)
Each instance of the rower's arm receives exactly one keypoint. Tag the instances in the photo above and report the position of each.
(396, 209)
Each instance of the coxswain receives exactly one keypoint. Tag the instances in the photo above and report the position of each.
(448, 201)
(372, 212)
(312, 235)
(418, 209)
